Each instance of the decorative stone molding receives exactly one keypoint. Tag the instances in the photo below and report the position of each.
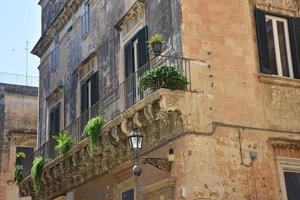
(287, 6)
(158, 125)
(133, 12)
(159, 186)
(160, 190)
(63, 17)
(277, 80)
(283, 143)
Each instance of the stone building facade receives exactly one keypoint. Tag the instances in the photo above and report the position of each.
(18, 121)
(234, 131)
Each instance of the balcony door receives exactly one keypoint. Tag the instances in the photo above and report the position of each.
(136, 58)
(89, 99)
(54, 124)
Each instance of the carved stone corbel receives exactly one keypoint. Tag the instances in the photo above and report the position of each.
(148, 113)
(124, 127)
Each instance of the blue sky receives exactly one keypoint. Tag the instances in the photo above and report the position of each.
(20, 22)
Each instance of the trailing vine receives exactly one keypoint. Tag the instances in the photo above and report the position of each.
(18, 173)
(93, 130)
(36, 172)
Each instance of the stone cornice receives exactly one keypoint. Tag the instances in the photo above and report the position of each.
(58, 23)
(284, 143)
(157, 118)
(131, 14)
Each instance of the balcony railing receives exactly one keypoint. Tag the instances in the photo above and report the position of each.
(124, 96)
(18, 79)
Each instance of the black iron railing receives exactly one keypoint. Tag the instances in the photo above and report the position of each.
(123, 97)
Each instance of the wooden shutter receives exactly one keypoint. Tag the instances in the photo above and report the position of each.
(128, 59)
(142, 47)
(84, 102)
(294, 30)
(94, 88)
(55, 120)
(262, 41)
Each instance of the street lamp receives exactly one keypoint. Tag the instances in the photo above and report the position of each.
(135, 140)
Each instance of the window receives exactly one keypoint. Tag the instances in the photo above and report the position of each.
(89, 93)
(278, 43)
(292, 184)
(85, 19)
(26, 150)
(54, 122)
(136, 56)
(128, 195)
(54, 56)
(289, 169)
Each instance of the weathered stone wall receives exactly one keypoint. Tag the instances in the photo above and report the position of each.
(103, 40)
(223, 35)
(18, 113)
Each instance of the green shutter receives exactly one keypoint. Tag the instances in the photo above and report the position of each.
(294, 29)
(94, 88)
(84, 97)
(262, 41)
(142, 47)
(128, 59)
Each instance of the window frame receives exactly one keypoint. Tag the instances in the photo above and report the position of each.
(274, 20)
(54, 56)
(287, 165)
(126, 190)
(85, 19)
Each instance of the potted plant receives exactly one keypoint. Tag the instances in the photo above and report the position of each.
(63, 142)
(155, 43)
(163, 77)
(36, 172)
(93, 130)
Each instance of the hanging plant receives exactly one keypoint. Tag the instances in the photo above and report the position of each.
(163, 77)
(155, 43)
(63, 142)
(36, 172)
(18, 173)
(93, 130)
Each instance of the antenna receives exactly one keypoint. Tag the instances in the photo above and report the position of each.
(26, 49)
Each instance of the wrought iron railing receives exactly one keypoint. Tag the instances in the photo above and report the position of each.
(18, 79)
(123, 97)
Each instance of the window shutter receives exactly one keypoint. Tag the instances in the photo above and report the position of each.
(52, 122)
(128, 59)
(57, 119)
(84, 97)
(94, 88)
(262, 41)
(294, 29)
(142, 47)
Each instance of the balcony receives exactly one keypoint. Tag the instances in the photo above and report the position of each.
(160, 115)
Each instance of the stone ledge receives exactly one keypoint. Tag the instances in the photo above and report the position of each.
(157, 187)
(278, 80)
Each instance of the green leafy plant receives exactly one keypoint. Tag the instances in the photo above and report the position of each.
(157, 38)
(18, 173)
(63, 142)
(36, 172)
(93, 130)
(162, 77)
(21, 155)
